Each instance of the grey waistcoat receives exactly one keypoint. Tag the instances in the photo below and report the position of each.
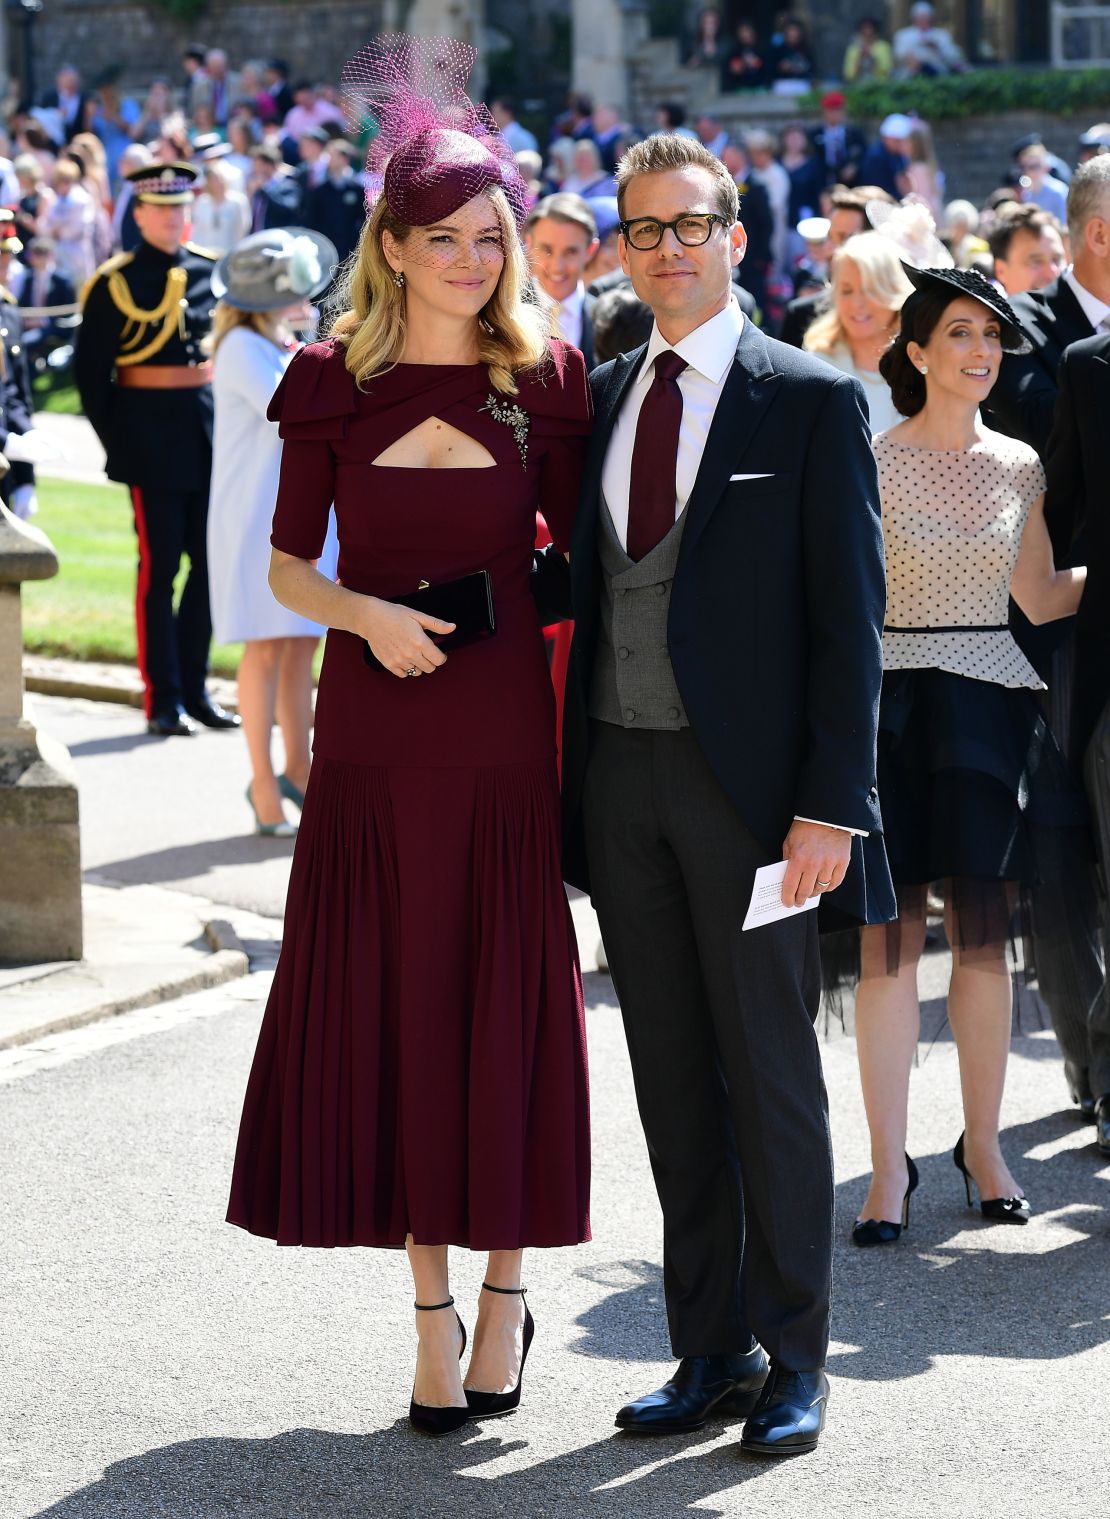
(633, 684)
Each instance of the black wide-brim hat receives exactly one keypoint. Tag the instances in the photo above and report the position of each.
(971, 283)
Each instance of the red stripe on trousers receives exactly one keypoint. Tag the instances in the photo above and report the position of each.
(142, 587)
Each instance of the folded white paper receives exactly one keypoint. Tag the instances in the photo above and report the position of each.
(766, 903)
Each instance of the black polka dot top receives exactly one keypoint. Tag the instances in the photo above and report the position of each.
(952, 521)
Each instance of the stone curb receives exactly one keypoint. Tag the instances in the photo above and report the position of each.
(225, 964)
(103, 682)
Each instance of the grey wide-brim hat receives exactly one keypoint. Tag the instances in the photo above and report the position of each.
(275, 268)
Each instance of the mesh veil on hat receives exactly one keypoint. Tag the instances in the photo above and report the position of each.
(971, 283)
(434, 149)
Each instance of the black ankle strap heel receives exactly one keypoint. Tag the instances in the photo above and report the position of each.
(488, 1405)
(439, 1421)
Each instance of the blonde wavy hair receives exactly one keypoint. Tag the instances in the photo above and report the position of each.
(368, 311)
(883, 279)
(227, 318)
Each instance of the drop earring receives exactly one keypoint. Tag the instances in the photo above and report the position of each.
(398, 279)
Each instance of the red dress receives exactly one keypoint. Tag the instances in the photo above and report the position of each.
(421, 1066)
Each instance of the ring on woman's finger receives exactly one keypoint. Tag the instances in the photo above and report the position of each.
(824, 885)
(412, 670)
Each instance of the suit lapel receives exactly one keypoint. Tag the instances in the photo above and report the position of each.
(1072, 321)
(751, 386)
(608, 406)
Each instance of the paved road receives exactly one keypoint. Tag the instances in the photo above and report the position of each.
(158, 1363)
(170, 812)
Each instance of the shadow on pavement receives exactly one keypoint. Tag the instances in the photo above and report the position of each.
(315, 1474)
(187, 862)
(119, 743)
(957, 1285)
(953, 1285)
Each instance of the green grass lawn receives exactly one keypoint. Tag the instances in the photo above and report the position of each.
(88, 610)
(62, 398)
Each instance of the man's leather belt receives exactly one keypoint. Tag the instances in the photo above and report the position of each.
(164, 376)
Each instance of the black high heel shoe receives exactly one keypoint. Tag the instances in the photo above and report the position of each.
(438, 1421)
(487, 1405)
(880, 1231)
(1004, 1210)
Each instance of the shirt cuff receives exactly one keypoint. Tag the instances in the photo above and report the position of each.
(857, 833)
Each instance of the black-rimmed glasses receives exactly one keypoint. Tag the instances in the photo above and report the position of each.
(646, 232)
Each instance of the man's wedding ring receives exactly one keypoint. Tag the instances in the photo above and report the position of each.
(823, 884)
(411, 670)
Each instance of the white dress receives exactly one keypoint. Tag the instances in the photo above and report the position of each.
(880, 404)
(246, 460)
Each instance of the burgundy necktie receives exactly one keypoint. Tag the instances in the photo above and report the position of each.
(652, 493)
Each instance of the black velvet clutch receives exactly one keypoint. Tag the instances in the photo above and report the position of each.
(467, 602)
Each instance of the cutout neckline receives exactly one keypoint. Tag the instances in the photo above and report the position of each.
(450, 430)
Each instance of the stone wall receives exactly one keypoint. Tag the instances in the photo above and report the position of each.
(146, 40)
(974, 151)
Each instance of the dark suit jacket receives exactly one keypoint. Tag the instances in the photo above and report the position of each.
(799, 316)
(338, 209)
(51, 102)
(587, 343)
(1023, 401)
(776, 608)
(59, 291)
(1078, 503)
(1022, 405)
(282, 203)
(855, 146)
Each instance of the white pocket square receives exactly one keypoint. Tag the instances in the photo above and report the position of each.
(767, 476)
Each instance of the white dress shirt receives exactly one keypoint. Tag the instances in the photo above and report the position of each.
(568, 315)
(1095, 310)
(709, 352)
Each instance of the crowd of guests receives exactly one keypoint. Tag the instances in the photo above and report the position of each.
(969, 330)
(272, 151)
(782, 60)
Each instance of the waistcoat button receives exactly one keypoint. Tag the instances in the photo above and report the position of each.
(630, 714)
(623, 653)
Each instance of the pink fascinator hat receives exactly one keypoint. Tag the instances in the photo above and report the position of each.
(434, 149)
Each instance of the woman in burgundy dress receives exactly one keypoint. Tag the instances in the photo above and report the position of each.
(420, 1077)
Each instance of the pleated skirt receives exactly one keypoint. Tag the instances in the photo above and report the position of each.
(421, 1066)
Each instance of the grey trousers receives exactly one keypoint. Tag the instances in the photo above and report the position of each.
(724, 1054)
(1072, 941)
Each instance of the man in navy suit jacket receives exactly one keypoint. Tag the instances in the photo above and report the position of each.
(720, 716)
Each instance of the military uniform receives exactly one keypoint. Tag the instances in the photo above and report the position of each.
(145, 386)
(17, 487)
(16, 411)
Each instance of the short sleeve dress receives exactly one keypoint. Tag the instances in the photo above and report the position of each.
(421, 1067)
(973, 788)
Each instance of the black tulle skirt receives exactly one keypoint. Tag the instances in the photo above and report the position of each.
(979, 804)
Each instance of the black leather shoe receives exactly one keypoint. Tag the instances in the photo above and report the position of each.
(790, 1414)
(211, 714)
(702, 1385)
(1102, 1123)
(170, 723)
(1080, 1090)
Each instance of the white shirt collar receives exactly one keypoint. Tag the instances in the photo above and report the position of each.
(1094, 310)
(574, 301)
(709, 349)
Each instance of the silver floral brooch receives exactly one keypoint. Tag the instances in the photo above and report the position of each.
(511, 416)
